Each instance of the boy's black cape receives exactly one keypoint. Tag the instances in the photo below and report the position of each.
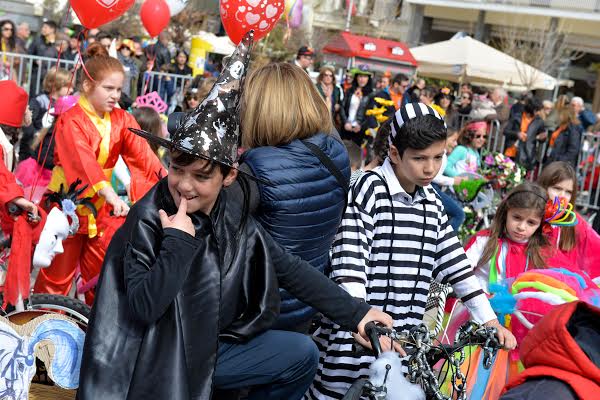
(174, 357)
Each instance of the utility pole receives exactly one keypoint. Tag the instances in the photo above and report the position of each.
(348, 21)
(349, 15)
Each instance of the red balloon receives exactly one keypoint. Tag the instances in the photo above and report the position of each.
(94, 13)
(241, 16)
(155, 16)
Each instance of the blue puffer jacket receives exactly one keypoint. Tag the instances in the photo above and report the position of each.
(303, 208)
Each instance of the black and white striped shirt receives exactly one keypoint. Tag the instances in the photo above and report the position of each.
(362, 251)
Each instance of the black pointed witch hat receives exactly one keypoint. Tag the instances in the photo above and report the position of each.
(211, 131)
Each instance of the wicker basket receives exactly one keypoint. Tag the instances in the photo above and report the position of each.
(45, 392)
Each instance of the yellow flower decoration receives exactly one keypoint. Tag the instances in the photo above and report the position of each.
(375, 111)
(381, 118)
(384, 102)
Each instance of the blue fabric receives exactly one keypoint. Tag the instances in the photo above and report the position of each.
(454, 208)
(277, 365)
(302, 208)
(587, 119)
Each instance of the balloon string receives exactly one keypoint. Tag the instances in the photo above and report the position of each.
(83, 64)
(40, 167)
(152, 59)
(288, 31)
(60, 50)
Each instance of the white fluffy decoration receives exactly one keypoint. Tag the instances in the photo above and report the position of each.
(398, 387)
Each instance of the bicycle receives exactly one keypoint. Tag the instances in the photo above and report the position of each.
(422, 355)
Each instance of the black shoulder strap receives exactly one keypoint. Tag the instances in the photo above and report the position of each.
(326, 161)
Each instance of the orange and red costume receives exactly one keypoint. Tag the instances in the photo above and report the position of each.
(88, 147)
(10, 191)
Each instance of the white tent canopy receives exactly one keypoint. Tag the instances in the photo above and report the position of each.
(468, 60)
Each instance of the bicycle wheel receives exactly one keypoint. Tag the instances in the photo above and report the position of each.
(356, 390)
(74, 308)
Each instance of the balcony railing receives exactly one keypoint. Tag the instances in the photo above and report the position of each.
(566, 8)
(567, 5)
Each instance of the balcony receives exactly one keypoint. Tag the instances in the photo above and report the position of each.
(373, 17)
(575, 9)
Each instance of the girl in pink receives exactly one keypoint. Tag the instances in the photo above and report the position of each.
(572, 246)
(513, 244)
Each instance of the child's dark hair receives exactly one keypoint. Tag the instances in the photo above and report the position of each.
(429, 92)
(184, 159)
(532, 105)
(354, 154)
(553, 174)
(419, 133)
(149, 120)
(529, 196)
(381, 144)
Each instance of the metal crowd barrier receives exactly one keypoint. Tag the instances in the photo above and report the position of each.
(495, 140)
(28, 71)
(170, 87)
(588, 173)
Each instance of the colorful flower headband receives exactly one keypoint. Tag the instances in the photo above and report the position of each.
(560, 213)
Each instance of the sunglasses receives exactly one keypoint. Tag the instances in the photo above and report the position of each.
(465, 98)
(480, 136)
(8, 29)
(328, 74)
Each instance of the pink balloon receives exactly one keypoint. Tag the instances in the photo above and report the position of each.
(296, 14)
(155, 15)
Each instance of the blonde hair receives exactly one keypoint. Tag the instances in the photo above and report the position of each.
(280, 104)
(56, 79)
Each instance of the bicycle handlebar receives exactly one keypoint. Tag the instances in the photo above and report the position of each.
(373, 331)
(15, 210)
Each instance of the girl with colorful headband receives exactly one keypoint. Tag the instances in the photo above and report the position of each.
(578, 245)
(512, 265)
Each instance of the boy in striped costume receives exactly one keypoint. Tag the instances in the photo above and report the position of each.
(393, 240)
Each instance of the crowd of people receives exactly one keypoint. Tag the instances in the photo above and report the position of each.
(256, 238)
(137, 55)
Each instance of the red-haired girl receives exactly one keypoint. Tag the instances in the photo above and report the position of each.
(89, 139)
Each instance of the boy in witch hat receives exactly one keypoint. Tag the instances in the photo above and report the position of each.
(189, 287)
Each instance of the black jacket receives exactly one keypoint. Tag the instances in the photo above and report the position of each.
(165, 298)
(567, 146)
(527, 150)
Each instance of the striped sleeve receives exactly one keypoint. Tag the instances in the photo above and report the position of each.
(352, 244)
(452, 266)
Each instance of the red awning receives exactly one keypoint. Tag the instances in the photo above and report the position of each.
(348, 45)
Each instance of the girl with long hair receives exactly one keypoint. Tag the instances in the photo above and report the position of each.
(356, 100)
(90, 137)
(332, 93)
(514, 244)
(565, 141)
(574, 246)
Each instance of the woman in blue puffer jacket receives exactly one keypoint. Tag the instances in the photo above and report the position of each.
(302, 206)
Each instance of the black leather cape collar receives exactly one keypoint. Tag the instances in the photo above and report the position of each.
(230, 293)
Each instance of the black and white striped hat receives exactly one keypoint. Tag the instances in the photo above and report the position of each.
(410, 111)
